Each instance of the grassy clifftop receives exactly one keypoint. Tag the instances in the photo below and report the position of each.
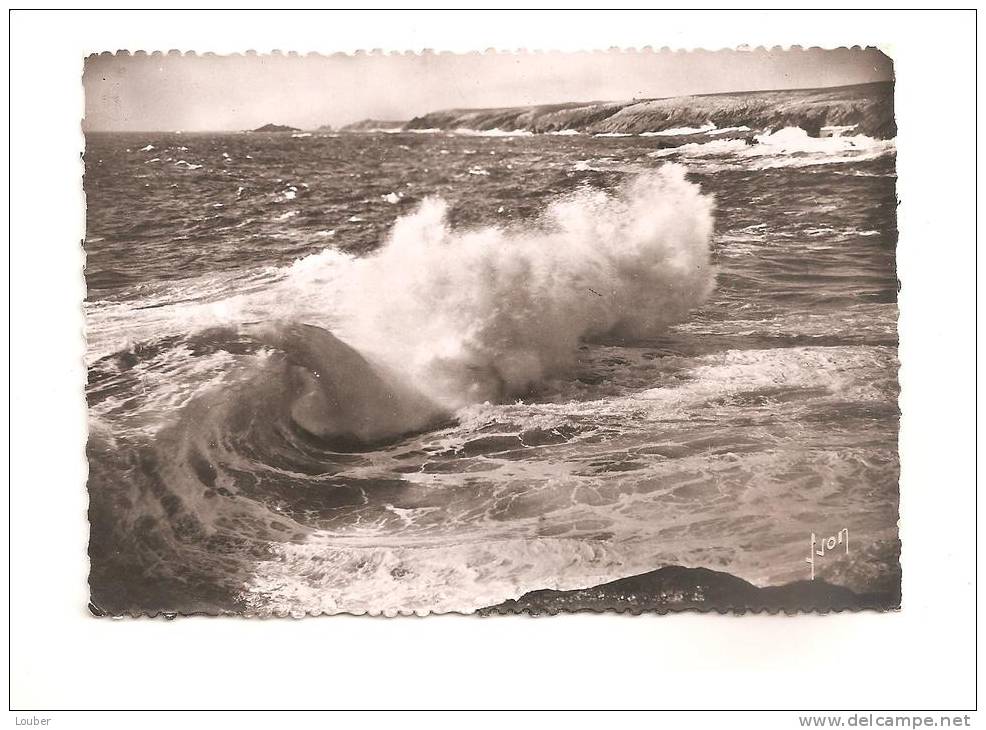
(867, 106)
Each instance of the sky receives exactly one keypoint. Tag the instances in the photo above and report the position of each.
(172, 92)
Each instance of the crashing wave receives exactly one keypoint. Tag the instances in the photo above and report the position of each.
(489, 313)
(485, 314)
(790, 147)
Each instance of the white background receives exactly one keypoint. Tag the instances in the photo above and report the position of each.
(922, 658)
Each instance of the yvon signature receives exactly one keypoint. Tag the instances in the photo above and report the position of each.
(821, 546)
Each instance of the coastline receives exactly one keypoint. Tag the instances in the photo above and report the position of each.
(865, 109)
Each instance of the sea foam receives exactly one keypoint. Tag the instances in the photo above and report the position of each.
(788, 147)
(486, 314)
(708, 127)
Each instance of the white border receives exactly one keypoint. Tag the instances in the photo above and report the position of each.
(921, 658)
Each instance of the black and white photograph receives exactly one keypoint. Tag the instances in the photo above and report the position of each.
(466, 361)
(491, 333)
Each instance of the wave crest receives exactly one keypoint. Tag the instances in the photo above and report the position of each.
(468, 316)
(488, 313)
(788, 147)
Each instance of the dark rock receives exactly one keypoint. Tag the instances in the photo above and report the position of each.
(676, 588)
(276, 128)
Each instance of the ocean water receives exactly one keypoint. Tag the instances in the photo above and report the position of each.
(430, 372)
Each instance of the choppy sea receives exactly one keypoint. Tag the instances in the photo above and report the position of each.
(396, 372)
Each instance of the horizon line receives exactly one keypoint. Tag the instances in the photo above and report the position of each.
(85, 131)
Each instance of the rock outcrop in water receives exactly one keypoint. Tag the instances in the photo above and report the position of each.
(675, 588)
(866, 108)
(275, 128)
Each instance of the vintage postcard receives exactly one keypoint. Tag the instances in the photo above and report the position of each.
(492, 333)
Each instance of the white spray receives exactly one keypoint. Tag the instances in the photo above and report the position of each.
(488, 313)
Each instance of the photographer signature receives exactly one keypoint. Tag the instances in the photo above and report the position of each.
(827, 544)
